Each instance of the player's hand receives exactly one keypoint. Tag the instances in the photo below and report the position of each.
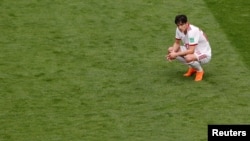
(172, 55)
(169, 58)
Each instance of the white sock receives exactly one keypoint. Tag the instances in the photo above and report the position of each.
(196, 65)
(181, 59)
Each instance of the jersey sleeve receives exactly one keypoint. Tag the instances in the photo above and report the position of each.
(193, 37)
(177, 34)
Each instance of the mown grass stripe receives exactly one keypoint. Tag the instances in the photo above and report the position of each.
(234, 23)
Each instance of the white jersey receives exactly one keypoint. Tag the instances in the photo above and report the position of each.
(196, 37)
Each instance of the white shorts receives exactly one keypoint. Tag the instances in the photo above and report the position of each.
(201, 57)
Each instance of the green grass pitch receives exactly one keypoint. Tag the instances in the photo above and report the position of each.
(94, 70)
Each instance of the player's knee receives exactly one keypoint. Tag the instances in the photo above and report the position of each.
(189, 58)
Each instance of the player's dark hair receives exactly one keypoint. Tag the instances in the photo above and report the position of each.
(180, 19)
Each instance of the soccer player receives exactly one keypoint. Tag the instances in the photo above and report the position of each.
(194, 51)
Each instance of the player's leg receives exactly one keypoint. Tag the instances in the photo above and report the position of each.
(202, 59)
(195, 61)
(181, 58)
(194, 65)
(185, 60)
(199, 70)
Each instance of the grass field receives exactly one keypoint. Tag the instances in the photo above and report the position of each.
(92, 70)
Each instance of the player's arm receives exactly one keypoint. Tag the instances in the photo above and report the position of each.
(190, 50)
(174, 48)
(176, 45)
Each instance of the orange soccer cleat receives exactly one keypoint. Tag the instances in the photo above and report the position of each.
(199, 75)
(190, 72)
